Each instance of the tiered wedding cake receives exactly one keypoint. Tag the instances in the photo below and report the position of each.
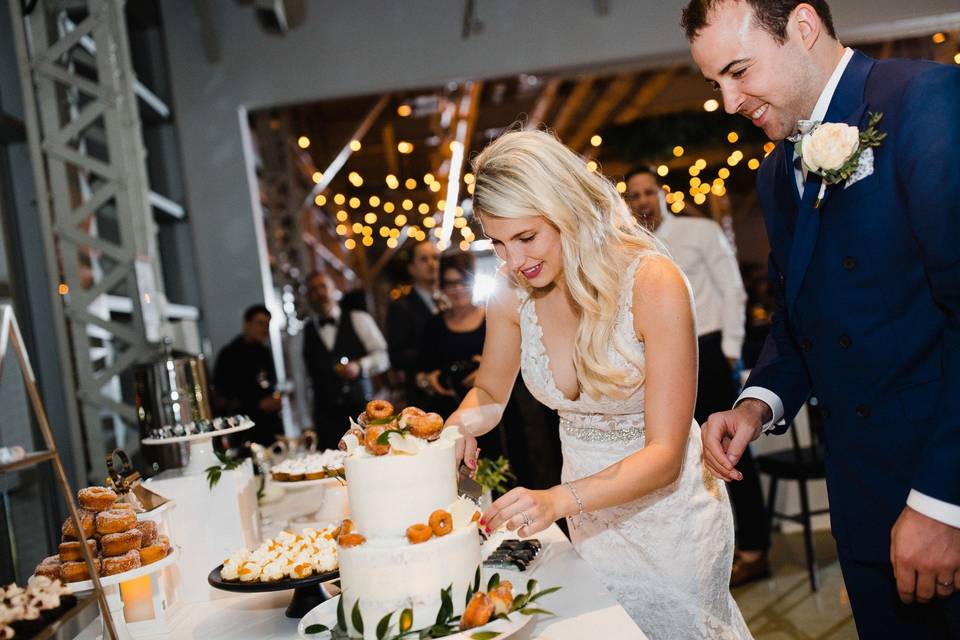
(409, 537)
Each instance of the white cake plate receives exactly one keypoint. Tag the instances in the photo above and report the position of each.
(326, 614)
(201, 447)
(111, 589)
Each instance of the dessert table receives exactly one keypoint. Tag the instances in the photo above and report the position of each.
(583, 607)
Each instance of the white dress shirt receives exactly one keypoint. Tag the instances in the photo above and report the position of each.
(701, 250)
(375, 362)
(931, 507)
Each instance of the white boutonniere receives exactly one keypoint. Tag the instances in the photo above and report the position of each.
(835, 151)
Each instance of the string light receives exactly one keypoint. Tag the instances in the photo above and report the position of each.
(677, 206)
(342, 216)
(694, 170)
(394, 233)
(424, 208)
(392, 243)
(355, 179)
(400, 220)
(392, 181)
(370, 217)
(596, 140)
(591, 166)
(407, 204)
(388, 207)
(464, 245)
(939, 38)
(355, 145)
(678, 151)
(956, 58)
(410, 183)
(404, 147)
(384, 232)
(441, 205)
(711, 105)
(367, 241)
(724, 173)
(468, 178)
(374, 201)
(317, 177)
(695, 182)
(470, 188)
(303, 142)
(320, 200)
(350, 244)
(339, 198)
(404, 110)
(622, 186)
(753, 164)
(704, 188)
(732, 137)
(367, 231)
(357, 227)
(428, 178)
(341, 229)
(699, 198)
(663, 170)
(768, 147)
(435, 187)
(701, 164)
(430, 222)
(460, 223)
(63, 289)
(354, 202)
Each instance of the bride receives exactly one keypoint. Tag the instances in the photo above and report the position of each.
(600, 324)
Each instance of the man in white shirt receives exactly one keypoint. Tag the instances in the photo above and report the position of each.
(866, 269)
(701, 250)
(333, 359)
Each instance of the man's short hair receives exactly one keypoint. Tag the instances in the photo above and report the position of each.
(643, 169)
(255, 310)
(770, 15)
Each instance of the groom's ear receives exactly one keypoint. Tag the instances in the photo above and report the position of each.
(806, 23)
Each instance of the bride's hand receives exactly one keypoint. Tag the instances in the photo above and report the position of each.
(523, 510)
(467, 451)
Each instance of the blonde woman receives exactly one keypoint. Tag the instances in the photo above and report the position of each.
(601, 326)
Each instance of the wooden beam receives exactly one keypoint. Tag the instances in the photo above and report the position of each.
(572, 105)
(611, 98)
(542, 106)
(647, 93)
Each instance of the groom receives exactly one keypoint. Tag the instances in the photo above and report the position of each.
(866, 265)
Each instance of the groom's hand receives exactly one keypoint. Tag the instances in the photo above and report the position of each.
(925, 554)
(726, 435)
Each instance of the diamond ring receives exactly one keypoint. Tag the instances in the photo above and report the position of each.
(526, 518)
(942, 584)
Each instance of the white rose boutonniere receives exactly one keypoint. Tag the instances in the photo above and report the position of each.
(833, 150)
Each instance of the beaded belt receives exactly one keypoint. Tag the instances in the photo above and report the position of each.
(591, 434)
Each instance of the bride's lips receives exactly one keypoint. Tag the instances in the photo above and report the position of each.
(532, 272)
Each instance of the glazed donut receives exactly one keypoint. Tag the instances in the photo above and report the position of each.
(412, 411)
(86, 523)
(441, 523)
(115, 521)
(71, 552)
(370, 440)
(96, 498)
(348, 540)
(502, 597)
(149, 530)
(427, 426)
(379, 409)
(117, 544)
(477, 613)
(152, 553)
(345, 527)
(76, 571)
(417, 533)
(122, 563)
(51, 571)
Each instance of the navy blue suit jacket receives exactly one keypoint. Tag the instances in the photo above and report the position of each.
(868, 299)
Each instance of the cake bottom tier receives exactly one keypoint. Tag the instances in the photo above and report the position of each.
(390, 577)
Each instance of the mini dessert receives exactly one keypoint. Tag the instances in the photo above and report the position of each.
(313, 466)
(96, 498)
(117, 544)
(428, 426)
(122, 563)
(250, 572)
(441, 522)
(69, 531)
(379, 410)
(288, 555)
(371, 435)
(348, 540)
(149, 530)
(478, 612)
(115, 521)
(418, 533)
(123, 506)
(76, 571)
(71, 552)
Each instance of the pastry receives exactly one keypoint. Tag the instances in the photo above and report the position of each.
(71, 551)
(76, 571)
(116, 544)
(96, 498)
(149, 530)
(115, 521)
(122, 563)
(86, 523)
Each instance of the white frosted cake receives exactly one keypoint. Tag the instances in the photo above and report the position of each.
(410, 536)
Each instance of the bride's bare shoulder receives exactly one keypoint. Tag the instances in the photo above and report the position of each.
(660, 290)
(506, 295)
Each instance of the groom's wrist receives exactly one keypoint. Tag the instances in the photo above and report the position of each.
(758, 410)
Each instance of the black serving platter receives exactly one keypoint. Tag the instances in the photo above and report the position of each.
(307, 593)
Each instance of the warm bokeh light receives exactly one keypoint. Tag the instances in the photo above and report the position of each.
(355, 145)
(663, 170)
(350, 244)
(956, 58)
(404, 147)
(317, 177)
(435, 186)
(384, 232)
(622, 186)
(468, 178)
(423, 208)
(355, 179)
(392, 243)
(678, 151)
(370, 217)
(367, 231)
(591, 166)
(354, 202)
(320, 200)
(596, 140)
(374, 201)
(392, 181)
(389, 207)
(367, 241)
(303, 142)
(63, 289)
(939, 38)
(699, 198)
(732, 137)
(701, 164)
(695, 182)
(404, 110)
(341, 229)
(753, 164)
(470, 188)
(339, 198)
(428, 178)
(407, 204)
(694, 170)
(724, 173)
(460, 223)
(711, 105)
(430, 222)
(342, 216)
(677, 206)
(768, 147)
(400, 220)
(357, 227)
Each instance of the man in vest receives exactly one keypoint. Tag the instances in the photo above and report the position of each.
(334, 357)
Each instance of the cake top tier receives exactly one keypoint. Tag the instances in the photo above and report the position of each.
(381, 431)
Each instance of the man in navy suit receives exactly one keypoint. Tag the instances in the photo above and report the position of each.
(867, 272)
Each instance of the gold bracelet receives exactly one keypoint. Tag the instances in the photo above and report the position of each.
(576, 496)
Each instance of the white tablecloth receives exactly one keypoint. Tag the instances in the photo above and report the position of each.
(583, 607)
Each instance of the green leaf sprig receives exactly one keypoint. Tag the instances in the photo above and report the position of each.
(494, 475)
(214, 472)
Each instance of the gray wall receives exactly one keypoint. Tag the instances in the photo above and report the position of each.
(369, 46)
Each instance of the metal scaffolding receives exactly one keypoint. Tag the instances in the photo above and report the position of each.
(88, 161)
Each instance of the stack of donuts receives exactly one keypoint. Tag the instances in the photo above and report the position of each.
(118, 542)
(380, 417)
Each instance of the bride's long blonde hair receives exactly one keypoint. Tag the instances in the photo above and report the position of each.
(526, 174)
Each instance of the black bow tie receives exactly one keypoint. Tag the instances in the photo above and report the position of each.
(322, 322)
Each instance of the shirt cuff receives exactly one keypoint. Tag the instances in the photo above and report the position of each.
(771, 399)
(731, 347)
(932, 508)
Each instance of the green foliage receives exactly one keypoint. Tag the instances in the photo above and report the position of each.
(494, 475)
(214, 472)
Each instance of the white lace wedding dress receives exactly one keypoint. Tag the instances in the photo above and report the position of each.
(666, 557)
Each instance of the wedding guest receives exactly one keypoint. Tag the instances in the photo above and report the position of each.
(863, 225)
(333, 359)
(701, 250)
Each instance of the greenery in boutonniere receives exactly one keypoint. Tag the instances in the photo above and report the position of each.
(446, 624)
(214, 472)
(833, 150)
(493, 475)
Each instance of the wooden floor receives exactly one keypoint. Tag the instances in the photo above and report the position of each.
(784, 608)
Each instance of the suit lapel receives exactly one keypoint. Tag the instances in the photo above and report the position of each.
(848, 106)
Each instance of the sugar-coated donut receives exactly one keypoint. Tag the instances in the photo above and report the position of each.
(370, 440)
(417, 533)
(115, 521)
(117, 544)
(51, 571)
(427, 426)
(153, 553)
(149, 530)
(71, 551)
(96, 498)
(478, 612)
(76, 571)
(86, 523)
(120, 564)
(441, 522)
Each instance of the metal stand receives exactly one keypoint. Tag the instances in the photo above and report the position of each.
(10, 334)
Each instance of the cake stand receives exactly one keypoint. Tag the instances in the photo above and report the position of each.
(307, 594)
(201, 446)
(111, 589)
(295, 485)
